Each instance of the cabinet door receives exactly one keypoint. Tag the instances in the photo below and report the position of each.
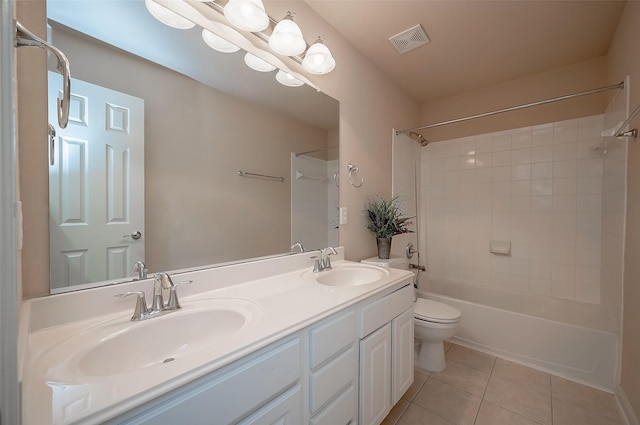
(402, 354)
(375, 376)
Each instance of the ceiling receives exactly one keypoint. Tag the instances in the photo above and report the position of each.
(474, 43)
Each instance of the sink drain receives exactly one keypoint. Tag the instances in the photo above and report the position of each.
(170, 359)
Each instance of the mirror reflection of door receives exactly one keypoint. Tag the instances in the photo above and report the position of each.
(96, 185)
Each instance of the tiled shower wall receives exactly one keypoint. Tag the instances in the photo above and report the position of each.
(540, 188)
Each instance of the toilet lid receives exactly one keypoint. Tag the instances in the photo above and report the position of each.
(434, 311)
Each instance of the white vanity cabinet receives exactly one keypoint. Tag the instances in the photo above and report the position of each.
(333, 370)
(386, 353)
(262, 389)
(346, 369)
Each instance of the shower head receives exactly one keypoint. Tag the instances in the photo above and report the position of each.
(419, 138)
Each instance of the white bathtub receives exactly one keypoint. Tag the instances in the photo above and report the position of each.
(577, 353)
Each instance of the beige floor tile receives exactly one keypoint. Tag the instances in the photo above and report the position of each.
(472, 358)
(419, 378)
(416, 415)
(492, 414)
(534, 379)
(396, 412)
(520, 399)
(464, 378)
(574, 403)
(448, 402)
(447, 345)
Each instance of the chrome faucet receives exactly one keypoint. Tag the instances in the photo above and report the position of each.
(158, 306)
(141, 269)
(324, 262)
(297, 246)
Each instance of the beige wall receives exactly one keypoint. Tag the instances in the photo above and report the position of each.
(562, 81)
(369, 108)
(32, 149)
(623, 60)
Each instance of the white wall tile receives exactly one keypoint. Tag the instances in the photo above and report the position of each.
(521, 156)
(565, 151)
(542, 188)
(542, 153)
(541, 136)
(542, 170)
(521, 172)
(501, 158)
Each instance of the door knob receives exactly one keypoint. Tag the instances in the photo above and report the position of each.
(135, 236)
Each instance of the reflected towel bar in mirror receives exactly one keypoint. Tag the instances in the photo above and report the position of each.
(262, 176)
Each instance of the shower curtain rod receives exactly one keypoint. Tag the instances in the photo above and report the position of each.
(317, 150)
(514, 108)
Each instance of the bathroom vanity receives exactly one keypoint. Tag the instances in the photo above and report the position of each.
(265, 342)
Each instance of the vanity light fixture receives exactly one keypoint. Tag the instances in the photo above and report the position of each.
(168, 17)
(318, 59)
(286, 38)
(257, 64)
(218, 43)
(247, 15)
(287, 79)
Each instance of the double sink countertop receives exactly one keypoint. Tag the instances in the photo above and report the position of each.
(83, 359)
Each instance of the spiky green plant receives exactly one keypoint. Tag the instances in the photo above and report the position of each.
(385, 218)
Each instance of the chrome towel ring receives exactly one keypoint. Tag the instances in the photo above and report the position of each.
(353, 169)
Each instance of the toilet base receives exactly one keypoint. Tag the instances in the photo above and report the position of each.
(430, 356)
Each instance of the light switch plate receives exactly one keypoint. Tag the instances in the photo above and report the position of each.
(343, 215)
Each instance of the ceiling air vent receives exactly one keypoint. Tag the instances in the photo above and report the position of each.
(409, 39)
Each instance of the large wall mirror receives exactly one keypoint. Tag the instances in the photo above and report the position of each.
(171, 148)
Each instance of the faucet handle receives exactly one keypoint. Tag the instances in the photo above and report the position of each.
(141, 309)
(173, 303)
(316, 264)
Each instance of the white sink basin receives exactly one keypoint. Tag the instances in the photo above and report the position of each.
(120, 346)
(348, 275)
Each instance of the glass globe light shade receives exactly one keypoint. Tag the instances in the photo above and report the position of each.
(257, 64)
(168, 17)
(218, 43)
(287, 79)
(318, 59)
(247, 15)
(286, 38)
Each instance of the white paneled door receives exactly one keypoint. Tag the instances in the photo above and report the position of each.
(96, 185)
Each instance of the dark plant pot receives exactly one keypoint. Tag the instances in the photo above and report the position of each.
(384, 248)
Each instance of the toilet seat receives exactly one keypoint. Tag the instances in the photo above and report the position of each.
(435, 312)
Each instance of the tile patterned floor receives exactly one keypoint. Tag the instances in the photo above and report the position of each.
(480, 389)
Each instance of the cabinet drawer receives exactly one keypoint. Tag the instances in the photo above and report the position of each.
(340, 412)
(284, 410)
(382, 311)
(230, 395)
(327, 381)
(330, 337)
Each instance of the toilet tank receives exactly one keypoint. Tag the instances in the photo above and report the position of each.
(391, 263)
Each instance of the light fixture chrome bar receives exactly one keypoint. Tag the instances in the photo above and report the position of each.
(317, 150)
(25, 38)
(515, 108)
(628, 133)
(264, 176)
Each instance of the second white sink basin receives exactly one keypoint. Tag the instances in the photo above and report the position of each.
(348, 275)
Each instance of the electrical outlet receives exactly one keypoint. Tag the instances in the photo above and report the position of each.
(343, 215)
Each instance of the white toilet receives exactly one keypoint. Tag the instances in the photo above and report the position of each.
(433, 322)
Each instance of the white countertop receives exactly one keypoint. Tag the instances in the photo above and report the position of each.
(56, 391)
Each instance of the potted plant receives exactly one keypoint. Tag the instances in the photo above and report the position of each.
(386, 220)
